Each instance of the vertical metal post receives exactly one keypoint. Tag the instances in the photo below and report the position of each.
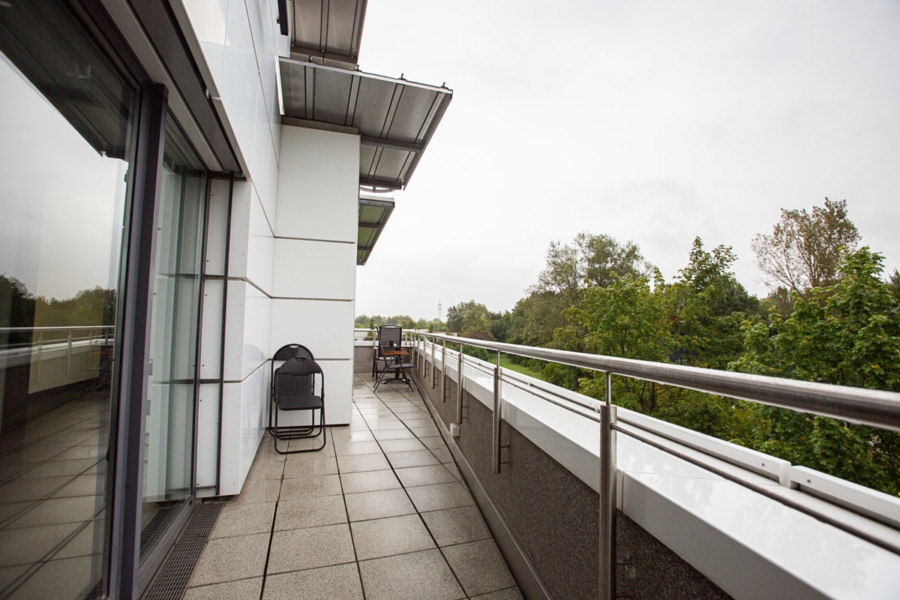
(69, 353)
(608, 495)
(443, 370)
(433, 363)
(496, 419)
(459, 386)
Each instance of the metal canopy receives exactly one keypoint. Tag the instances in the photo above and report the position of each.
(373, 216)
(328, 31)
(395, 118)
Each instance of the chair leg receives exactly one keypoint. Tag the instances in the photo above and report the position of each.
(300, 432)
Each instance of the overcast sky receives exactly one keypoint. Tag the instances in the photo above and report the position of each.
(653, 122)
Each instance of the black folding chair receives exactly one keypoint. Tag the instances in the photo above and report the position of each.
(297, 385)
(393, 356)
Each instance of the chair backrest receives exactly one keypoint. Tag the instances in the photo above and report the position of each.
(292, 351)
(286, 353)
(390, 336)
(296, 377)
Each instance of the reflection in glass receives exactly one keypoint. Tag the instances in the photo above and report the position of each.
(62, 204)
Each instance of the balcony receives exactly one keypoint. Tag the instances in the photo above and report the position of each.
(379, 513)
(441, 499)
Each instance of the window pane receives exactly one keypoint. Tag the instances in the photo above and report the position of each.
(62, 204)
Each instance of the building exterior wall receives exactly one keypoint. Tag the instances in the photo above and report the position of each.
(314, 258)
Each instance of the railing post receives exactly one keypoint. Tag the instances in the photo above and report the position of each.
(459, 386)
(433, 363)
(608, 495)
(496, 420)
(69, 353)
(443, 370)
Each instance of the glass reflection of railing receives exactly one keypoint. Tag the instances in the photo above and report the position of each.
(40, 336)
(35, 345)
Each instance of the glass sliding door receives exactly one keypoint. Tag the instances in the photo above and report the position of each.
(66, 162)
(168, 477)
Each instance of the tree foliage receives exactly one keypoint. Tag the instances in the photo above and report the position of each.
(590, 261)
(805, 248)
(847, 334)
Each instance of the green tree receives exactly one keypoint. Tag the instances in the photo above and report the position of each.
(591, 260)
(805, 249)
(707, 306)
(470, 319)
(847, 334)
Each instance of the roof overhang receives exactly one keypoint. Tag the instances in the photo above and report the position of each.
(328, 31)
(394, 118)
(373, 216)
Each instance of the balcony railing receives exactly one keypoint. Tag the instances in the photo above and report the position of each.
(877, 409)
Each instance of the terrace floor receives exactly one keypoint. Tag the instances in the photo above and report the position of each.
(380, 512)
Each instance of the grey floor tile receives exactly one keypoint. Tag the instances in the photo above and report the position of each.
(229, 559)
(310, 512)
(410, 577)
(386, 424)
(258, 490)
(369, 481)
(479, 567)
(339, 582)
(443, 455)
(309, 465)
(378, 505)
(414, 458)
(311, 444)
(362, 462)
(346, 434)
(512, 593)
(433, 442)
(440, 496)
(393, 434)
(310, 487)
(386, 537)
(425, 431)
(244, 589)
(351, 448)
(456, 525)
(298, 549)
(427, 475)
(244, 519)
(266, 469)
(401, 445)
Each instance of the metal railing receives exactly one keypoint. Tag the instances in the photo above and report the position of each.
(862, 406)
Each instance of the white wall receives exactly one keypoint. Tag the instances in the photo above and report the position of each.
(314, 258)
(240, 44)
(292, 265)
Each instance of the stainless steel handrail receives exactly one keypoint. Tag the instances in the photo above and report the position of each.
(863, 406)
(867, 407)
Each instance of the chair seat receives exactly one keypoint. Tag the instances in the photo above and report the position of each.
(299, 402)
(400, 366)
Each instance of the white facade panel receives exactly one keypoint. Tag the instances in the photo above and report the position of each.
(241, 200)
(260, 248)
(308, 269)
(244, 418)
(338, 402)
(325, 327)
(318, 185)
(209, 20)
(211, 328)
(235, 316)
(207, 435)
(257, 323)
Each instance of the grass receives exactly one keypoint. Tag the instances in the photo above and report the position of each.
(506, 363)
